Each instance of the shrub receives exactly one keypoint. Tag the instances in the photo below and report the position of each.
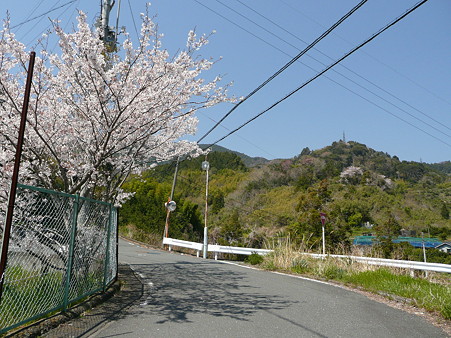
(334, 272)
(254, 259)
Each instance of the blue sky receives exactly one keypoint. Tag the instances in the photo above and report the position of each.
(395, 95)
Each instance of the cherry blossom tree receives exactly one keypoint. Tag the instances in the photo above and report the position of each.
(95, 117)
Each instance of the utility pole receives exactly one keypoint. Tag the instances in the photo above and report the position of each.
(108, 34)
(170, 205)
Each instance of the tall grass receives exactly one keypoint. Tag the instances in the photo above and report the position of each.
(432, 293)
(422, 293)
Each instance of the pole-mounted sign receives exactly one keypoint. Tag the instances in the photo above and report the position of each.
(323, 218)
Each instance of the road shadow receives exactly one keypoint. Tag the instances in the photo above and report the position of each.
(132, 290)
(176, 290)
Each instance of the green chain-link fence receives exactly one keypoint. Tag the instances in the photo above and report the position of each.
(62, 248)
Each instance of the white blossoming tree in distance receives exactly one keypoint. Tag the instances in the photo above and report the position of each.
(95, 117)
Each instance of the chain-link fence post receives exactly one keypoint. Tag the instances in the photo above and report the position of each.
(71, 252)
(116, 223)
(108, 243)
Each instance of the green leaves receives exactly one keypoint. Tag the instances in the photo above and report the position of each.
(146, 210)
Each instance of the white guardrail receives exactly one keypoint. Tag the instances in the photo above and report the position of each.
(213, 248)
(183, 244)
(412, 265)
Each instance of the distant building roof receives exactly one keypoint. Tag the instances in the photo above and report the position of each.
(416, 242)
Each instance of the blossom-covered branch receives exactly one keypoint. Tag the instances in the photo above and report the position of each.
(95, 117)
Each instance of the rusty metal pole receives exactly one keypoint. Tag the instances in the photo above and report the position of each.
(13, 189)
(168, 212)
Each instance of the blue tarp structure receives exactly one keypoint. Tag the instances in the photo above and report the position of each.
(416, 242)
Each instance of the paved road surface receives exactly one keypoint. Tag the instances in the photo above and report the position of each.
(184, 296)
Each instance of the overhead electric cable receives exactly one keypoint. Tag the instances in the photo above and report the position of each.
(133, 18)
(34, 38)
(344, 66)
(32, 11)
(322, 36)
(244, 139)
(41, 15)
(332, 65)
(346, 77)
(371, 56)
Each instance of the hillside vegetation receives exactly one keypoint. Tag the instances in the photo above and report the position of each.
(361, 190)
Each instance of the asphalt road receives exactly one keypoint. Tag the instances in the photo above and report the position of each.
(185, 296)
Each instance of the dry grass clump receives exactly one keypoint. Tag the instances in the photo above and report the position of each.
(429, 291)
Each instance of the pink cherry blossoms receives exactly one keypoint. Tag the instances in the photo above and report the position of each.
(95, 117)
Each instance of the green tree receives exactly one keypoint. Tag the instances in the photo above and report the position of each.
(385, 233)
(305, 151)
(218, 160)
(146, 211)
(216, 200)
(444, 211)
(231, 230)
(311, 203)
(411, 171)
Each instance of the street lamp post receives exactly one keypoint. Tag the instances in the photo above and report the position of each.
(206, 167)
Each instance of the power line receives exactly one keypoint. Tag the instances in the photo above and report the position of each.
(133, 18)
(322, 36)
(244, 139)
(41, 15)
(344, 66)
(344, 77)
(382, 98)
(371, 56)
(332, 65)
(34, 9)
(49, 25)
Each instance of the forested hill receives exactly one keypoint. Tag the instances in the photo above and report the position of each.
(331, 160)
(444, 167)
(353, 153)
(248, 161)
(360, 189)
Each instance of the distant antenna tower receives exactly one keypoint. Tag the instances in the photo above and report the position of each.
(344, 137)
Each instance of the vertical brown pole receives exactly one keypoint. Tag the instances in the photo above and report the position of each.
(12, 193)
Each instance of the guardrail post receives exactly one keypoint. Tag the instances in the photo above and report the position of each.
(71, 252)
